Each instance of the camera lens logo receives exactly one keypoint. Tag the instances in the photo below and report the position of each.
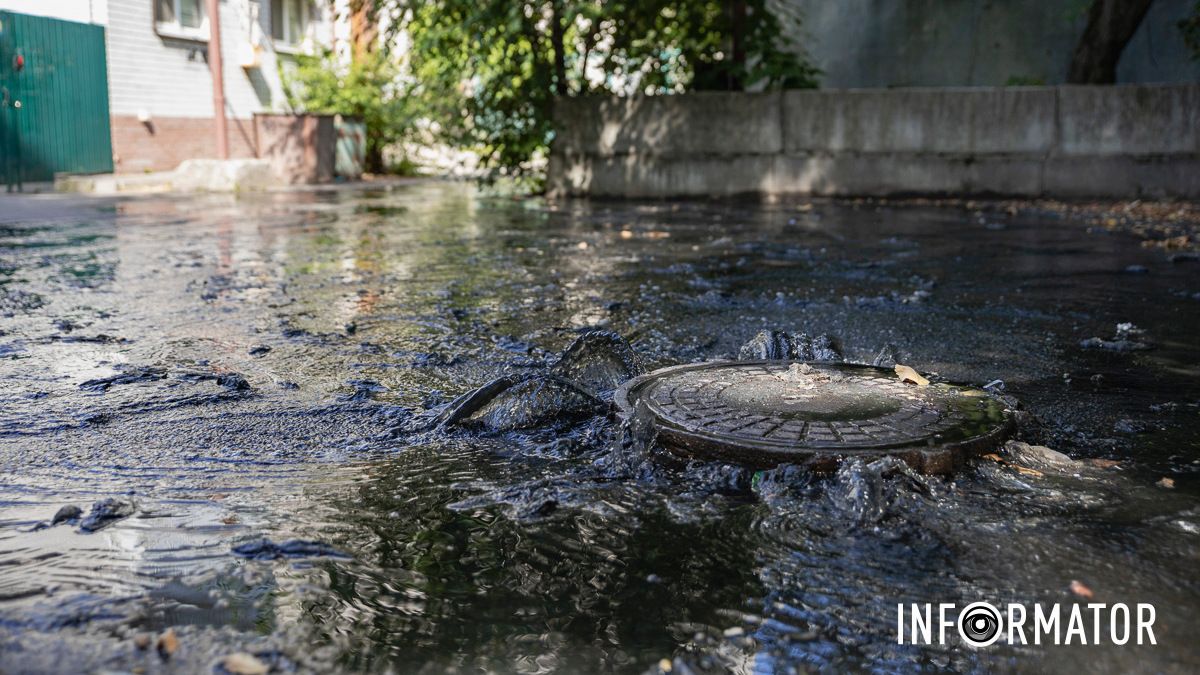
(979, 624)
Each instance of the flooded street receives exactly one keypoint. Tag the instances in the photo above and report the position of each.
(241, 369)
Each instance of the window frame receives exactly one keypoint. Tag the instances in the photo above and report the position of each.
(291, 43)
(175, 28)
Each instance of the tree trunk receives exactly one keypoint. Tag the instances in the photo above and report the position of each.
(557, 39)
(364, 29)
(737, 31)
(1110, 25)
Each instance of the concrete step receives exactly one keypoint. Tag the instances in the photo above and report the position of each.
(193, 175)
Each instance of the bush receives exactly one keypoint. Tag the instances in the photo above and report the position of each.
(369, 89)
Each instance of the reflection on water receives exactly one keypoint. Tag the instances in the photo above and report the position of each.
(257, 358)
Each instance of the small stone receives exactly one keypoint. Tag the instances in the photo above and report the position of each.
(259, 350)
(1168, 483)
(664, 665)
(142, 641)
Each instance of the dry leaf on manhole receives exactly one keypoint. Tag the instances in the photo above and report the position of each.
(167, 643)
(1081, 590)
(907, 374)
(242, 663)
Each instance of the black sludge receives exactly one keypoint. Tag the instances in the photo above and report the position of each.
(599, 362)
(778, 345)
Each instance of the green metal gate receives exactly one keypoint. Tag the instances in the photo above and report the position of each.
(53, 99)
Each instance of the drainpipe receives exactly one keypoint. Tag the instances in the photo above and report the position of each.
(218, 78)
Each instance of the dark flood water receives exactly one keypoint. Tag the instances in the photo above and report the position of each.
(564, 549)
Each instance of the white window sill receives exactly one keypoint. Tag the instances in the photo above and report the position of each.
(177, 32)
(290, 48)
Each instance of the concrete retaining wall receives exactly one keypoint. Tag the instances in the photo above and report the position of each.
(1124, 141)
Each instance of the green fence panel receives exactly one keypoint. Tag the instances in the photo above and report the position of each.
(53, 98)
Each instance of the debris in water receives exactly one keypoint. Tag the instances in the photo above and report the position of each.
(907, 374)
(1130, 427)
(599, 361)
(259, 350)
(778, 345)
(242, 663)
(233, 382)
(265, 549)
(577, 386)
(532, 403)
(67, 513)
(1040, 456)
(1078, 588)
(1125, 340)
(167, 643)
(127, 376)
(1168, 483)
(887, 357)
(107, 511)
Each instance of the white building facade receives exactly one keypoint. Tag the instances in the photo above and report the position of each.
(159, 81)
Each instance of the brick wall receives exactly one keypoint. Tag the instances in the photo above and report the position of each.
(167, 141)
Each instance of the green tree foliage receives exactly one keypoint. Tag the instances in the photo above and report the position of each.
(486, 72)
(369, 89)
(1190, 27)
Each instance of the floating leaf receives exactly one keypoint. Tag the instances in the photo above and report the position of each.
(909, 375)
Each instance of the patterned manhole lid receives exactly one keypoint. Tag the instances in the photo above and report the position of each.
(765, 413)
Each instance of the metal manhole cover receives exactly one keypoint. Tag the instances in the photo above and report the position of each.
(765, 413)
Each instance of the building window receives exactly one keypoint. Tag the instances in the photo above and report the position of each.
(181, 18)
(289, 21)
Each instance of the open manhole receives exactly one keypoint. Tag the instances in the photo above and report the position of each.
(765, 413)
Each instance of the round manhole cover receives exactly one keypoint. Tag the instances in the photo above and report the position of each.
(765, 413)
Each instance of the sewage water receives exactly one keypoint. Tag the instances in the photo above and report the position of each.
(241, 368)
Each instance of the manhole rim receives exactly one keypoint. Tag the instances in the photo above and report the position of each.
(939, 458)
